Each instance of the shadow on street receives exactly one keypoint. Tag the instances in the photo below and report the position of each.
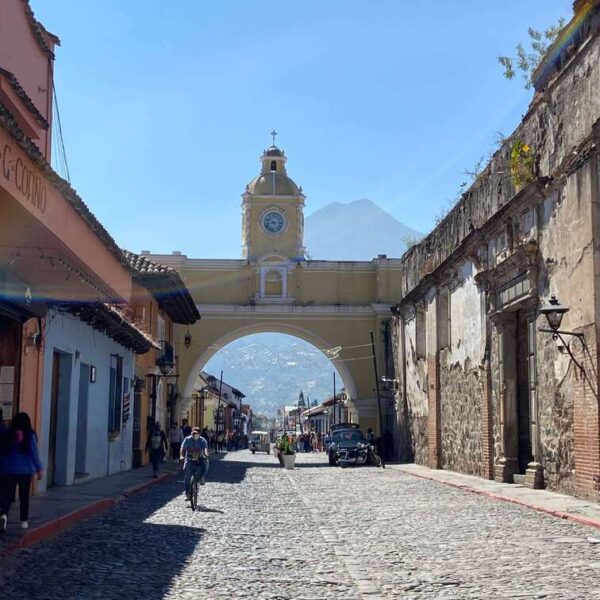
(120, 554)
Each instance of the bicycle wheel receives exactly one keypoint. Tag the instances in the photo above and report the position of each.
(194, 494)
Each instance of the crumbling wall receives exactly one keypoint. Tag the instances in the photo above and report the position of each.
(460, 403)
(555, 421)
(558, 121)
(415, 407)
(556, 219)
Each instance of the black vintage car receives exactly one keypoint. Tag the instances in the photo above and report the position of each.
(347, 440)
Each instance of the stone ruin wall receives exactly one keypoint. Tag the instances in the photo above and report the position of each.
(559, 120)
(413, 443)
(460, 405)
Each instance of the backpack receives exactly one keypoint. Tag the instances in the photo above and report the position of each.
(156, 441)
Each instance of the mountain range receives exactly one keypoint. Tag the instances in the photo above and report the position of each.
(358, 230)
(271, 369)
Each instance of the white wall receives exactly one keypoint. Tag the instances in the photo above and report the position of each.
(79, 344)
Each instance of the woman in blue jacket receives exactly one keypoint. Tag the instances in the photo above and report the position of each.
(19, 460)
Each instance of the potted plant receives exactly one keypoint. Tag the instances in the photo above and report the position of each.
(286, 452)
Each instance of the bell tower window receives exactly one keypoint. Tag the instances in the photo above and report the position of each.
(273, 166)
(274, 284)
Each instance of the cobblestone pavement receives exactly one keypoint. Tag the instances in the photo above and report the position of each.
(316, 532)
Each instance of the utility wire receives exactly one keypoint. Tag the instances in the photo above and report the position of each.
(60, 141)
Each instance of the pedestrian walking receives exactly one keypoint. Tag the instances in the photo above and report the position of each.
(186, 430)
(156, 446)
(175, 439)
(205, 433)
(220, 441)
(19, 461)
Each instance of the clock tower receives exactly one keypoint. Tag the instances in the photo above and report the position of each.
(272, 213)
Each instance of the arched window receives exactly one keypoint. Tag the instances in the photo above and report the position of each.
(273, 166)
(273, 283)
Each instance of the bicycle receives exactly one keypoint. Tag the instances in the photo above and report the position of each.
(196, 477)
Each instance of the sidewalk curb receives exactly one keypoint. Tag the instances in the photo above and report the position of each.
(140, 487)
(95, 508)
(494, 496)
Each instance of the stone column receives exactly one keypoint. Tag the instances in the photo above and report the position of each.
(508, 464)
(534, 475)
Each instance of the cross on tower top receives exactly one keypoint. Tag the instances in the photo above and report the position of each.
(274, 134)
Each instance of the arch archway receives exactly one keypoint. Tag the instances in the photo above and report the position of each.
(271, 327)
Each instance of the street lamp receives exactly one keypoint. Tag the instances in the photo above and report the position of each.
(165, 361)
(554, 312)
(164, 366)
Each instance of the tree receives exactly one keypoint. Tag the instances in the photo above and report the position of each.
(527, 61)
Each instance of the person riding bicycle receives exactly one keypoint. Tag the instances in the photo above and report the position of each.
(194, 453)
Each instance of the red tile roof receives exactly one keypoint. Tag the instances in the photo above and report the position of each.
(166, 286)
(39, 30)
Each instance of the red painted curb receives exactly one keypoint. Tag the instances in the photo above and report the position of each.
(555, 513)
(60, 524)
(67, 521)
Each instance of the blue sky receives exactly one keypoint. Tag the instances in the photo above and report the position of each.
(166, 106)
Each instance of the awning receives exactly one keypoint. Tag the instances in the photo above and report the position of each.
(110, 321)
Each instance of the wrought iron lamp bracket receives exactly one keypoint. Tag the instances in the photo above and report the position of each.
(558, 335)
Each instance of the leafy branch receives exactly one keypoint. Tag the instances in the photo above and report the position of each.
(527, 60)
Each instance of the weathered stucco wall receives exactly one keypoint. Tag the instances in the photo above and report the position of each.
(413, 411)
(467, 317)
(461, 382)
(494, 240)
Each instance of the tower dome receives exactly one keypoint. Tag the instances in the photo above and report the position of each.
(273, 179)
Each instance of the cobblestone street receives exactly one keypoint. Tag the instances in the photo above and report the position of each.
(316, 532)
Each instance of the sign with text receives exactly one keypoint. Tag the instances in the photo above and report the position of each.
(14, 170)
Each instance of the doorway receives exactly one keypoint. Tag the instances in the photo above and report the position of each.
(517, 369)
(523, 403)
(82, 422)
(136, 438)
(58, 435)
(10, 353)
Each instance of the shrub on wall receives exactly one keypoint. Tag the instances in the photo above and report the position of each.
(522, 163)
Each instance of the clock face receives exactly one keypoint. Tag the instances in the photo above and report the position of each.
(273, 222)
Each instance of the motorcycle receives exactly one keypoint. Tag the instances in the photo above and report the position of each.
(363, 454)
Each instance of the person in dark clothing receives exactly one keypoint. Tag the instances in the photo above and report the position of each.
(206, 435)
(186, 430)
(19, 461)
(157, 447)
